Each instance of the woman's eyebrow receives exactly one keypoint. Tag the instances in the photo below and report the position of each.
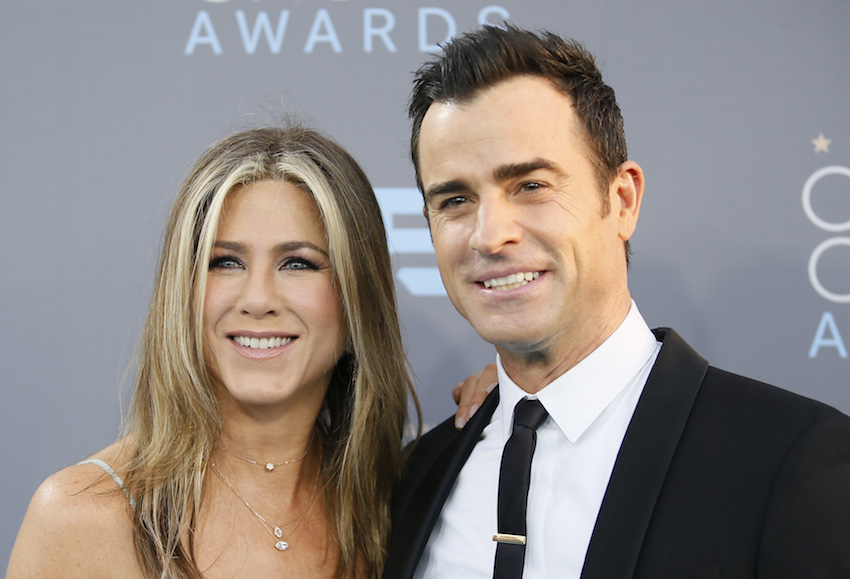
(280, 247)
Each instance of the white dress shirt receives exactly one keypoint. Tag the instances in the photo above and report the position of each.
(589, 407)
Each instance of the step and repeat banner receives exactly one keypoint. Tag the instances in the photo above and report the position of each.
(736, 111)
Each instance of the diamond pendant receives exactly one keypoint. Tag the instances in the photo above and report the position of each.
(269, 466)
(280, 545)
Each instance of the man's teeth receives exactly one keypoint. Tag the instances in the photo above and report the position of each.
(261, 343)
(511, 281)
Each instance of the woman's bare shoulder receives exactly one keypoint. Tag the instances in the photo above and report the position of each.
(78, 524)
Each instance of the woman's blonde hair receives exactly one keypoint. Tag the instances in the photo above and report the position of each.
(174, 418)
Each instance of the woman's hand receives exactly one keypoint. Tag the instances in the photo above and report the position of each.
(470, 394)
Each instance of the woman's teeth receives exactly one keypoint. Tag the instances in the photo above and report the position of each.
(261, 343)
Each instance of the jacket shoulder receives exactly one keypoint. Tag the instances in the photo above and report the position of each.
(761, 399)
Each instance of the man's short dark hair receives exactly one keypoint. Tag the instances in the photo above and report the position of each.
(485, 57)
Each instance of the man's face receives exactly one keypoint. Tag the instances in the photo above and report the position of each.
(524, 247)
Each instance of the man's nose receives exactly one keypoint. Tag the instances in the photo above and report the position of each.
(496, 226)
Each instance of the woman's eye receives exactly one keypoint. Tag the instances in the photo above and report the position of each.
(224, 262)
(299, 263)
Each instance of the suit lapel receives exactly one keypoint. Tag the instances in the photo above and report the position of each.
(644, 458)
(427, 490)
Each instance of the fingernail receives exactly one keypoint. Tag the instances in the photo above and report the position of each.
(489, 388)
(460, 422)
(472, 410)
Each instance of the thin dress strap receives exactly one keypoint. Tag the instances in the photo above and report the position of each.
(118, 480)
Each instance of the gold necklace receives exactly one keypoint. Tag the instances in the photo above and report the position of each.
(270, 466)
(275, 531)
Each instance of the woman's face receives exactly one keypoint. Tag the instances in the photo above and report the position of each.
(273, 326)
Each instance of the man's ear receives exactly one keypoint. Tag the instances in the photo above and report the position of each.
(628, 188)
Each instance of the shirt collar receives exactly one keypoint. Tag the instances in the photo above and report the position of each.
(575, 399)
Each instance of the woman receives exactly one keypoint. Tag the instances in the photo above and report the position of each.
(265, 430)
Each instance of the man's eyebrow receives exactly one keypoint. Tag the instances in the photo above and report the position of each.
(514, 170)
(447, 188)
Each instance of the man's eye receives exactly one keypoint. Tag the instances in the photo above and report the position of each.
(531, 186)
(453, 202)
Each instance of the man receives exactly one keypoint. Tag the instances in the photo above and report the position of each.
(648, 462)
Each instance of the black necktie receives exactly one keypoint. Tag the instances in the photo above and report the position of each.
(514, 479)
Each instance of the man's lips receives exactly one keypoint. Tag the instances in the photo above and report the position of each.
(511, 281)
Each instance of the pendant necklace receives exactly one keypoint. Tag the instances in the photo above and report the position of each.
(275, 531)
(270, 466)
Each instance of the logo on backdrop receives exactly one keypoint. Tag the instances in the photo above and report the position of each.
(828, 339)
(268, 30)
(407, 234)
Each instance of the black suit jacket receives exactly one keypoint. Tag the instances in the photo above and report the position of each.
(717, 476)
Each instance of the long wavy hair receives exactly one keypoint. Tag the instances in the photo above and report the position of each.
(174, 420)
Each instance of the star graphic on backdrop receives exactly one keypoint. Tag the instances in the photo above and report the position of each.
(821, 143)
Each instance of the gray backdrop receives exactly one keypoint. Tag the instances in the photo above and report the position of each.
(743, 244)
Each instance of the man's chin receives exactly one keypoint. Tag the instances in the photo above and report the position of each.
(511, 342)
